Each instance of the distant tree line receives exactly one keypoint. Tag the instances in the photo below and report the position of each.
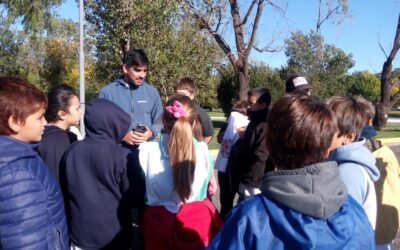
(181, 38)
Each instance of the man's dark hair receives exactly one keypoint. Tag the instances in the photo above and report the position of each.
(349, 114)
(135, 57)
(300, 130)
(262, 94)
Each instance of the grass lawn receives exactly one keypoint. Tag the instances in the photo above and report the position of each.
(218, 114)
(217, 126)
(391, 130)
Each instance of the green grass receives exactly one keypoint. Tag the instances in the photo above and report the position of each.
(217, 126)
(216, 114)
(390, 131)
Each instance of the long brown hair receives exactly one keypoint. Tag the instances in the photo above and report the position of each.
(182, 154)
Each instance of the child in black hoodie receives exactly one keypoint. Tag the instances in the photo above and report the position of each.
(98, 187)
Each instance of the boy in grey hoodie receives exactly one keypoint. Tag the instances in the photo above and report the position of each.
(356, 163)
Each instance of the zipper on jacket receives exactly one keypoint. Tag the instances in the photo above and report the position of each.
(132, 103)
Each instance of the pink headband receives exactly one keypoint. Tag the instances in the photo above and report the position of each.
(177, 110)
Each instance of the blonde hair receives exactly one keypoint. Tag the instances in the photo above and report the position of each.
(182, 154)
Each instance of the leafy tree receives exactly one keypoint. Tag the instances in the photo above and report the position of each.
(260, 76)
(227, 91)
(326, 74)
(364, 84)
(35, 15)
(10, 43)
(174, 46)
(263, 76)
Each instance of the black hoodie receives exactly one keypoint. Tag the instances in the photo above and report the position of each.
(55, 141)
(254, 153)
(98, 187)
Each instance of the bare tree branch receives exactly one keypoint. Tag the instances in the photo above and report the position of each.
(219, 19)
(255, 27)
(383, 50)
(328, 15)
(220, 40)
(275, 6)
(319, 16)
(396, 43)
(267, 49)
(249, 12)
(238, 28)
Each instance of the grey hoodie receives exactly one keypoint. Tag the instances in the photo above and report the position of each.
(315, 190)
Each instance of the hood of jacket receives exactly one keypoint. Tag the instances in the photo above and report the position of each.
(105, 121)
(315, 190)
(120, 80)
(368, 132)
(358, 154)
(13, 149)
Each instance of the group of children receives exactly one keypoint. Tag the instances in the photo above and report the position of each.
(305, 178)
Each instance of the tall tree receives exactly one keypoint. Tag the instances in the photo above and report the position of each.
(174, 46)
(210, 15)
(10, 43)
(388, 82)
(35, 15)
(364, 84)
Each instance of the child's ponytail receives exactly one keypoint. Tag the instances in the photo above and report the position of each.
(179, 120)
(182, 156)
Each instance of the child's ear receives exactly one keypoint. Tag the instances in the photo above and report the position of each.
(62, 114)
(125, 68)
(349, 138)
(14, 124)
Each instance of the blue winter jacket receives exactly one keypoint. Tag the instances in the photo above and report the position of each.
(142, 102)
(306, 208)
(32, 212)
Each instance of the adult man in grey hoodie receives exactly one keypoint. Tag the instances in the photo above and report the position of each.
(136, 97)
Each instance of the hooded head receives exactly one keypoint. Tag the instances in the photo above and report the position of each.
(106, 121)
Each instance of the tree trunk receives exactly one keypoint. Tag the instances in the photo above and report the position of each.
(387, 102)
(242, 75)
(382, 109)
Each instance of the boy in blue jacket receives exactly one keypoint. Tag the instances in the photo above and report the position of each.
(356, 163)
(31, 205)
(303, 204)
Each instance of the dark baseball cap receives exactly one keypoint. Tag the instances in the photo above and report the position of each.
(297, 83)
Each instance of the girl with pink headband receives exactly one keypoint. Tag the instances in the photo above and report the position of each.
(177, 171)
